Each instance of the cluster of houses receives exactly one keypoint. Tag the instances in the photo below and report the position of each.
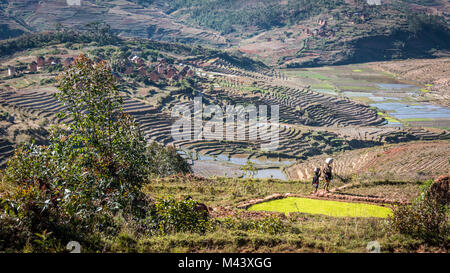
(42, 62)
(322, 31)
(160, 71)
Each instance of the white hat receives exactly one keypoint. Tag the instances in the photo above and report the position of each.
(329, 160)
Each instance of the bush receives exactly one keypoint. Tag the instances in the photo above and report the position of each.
(92, 170)
(170, 215)
(163, 161)
(425, 219)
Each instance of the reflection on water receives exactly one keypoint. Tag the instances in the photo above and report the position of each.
(357, 94)
(405, 111)
(270, 168)
(388, 93)
(383, 98)
(269, 173)
(391, 86)
(243, 161)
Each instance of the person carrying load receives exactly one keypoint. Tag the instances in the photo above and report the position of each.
(316, 177)
(327, 173)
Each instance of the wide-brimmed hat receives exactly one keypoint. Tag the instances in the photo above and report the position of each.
(329, 160)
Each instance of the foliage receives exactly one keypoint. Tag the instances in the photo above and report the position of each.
(425, 219)
(231, 16)
(100, 33)
(170, 215)
(165, 161)
(249, 169)
(92, 169)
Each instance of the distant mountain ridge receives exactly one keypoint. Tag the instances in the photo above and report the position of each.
(287, 33)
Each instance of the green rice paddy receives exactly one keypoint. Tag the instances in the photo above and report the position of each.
(307, 74)
(325, 207)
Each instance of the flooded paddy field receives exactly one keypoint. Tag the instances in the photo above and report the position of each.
(232, 166)
(399, 102)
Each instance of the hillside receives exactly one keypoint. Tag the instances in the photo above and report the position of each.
(116, 177)
(285, 33)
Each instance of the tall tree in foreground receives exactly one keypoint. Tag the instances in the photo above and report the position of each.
(92, 170)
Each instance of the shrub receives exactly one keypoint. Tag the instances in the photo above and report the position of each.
(170, 215)
(425, 219)
(92, 170)
(165, 160)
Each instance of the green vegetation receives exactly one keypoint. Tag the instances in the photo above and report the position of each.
(387, 117)
(91, 172)
(325, 207)
(307, 74)
(100, 33)
(98, 182)
(416, 119)
(233, 16)
(427, 217)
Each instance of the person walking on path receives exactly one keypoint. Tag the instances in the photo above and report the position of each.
(327, 173)
(316, 177)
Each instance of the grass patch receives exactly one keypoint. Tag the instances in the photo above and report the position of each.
(322, 86)
(325, 207)
(416, 119)
(388, 118)
(357, 88)
(308, 74)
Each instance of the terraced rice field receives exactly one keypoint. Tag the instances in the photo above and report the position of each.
(403, 100)
(6, 150)
(311, 123)
(415, 160)
(324, 207)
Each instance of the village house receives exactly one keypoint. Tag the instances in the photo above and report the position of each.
(161, 69)
(137, 60)
(177, 77)
(40, 62)
(184, 71)
(142, 71)
(52, 61)
(128, 70)
(11, 71)
(68, 61)
(154, 76)
(33, 66)
(170, 72)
